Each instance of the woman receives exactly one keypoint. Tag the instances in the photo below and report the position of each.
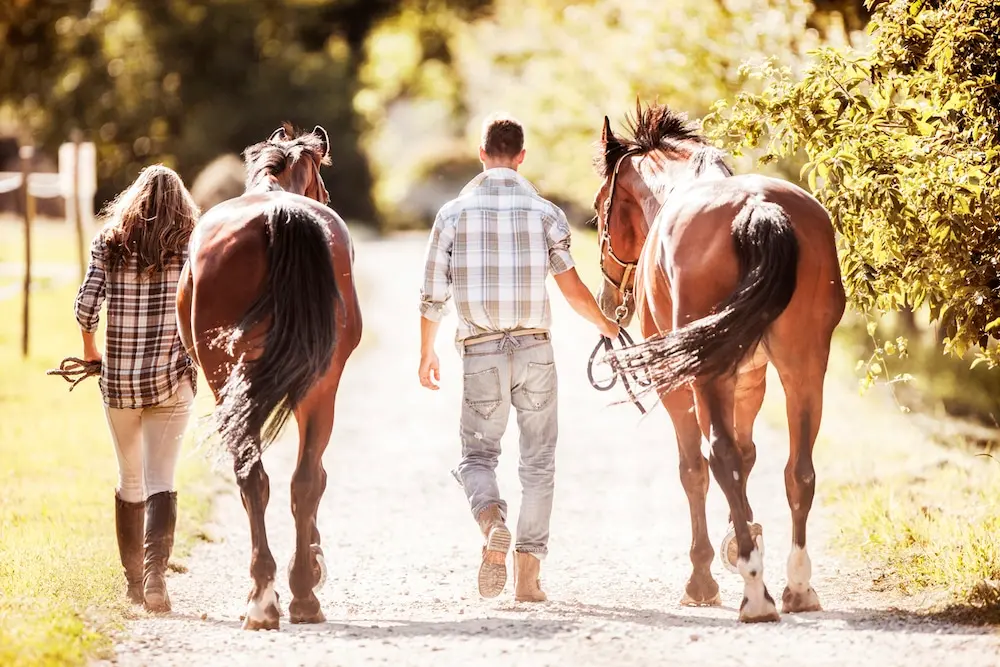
(147, 379)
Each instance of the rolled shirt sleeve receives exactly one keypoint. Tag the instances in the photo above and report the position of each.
(558, 237)
(91, 295)
(436, 290)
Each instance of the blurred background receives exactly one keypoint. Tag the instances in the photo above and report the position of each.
(401, 85)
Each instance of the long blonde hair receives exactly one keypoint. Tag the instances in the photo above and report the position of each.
(152, 221)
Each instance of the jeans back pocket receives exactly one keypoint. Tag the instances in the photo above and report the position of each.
(481, 392)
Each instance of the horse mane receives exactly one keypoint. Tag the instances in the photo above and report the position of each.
(656, 127)
(273, 156)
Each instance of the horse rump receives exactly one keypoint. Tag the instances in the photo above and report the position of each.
(300, 300)
(713, 345)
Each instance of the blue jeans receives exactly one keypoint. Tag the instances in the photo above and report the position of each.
(498, 374)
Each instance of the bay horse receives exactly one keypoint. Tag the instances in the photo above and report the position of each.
(726, 274)
(267, 307)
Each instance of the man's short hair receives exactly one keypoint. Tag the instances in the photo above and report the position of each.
(503, 136)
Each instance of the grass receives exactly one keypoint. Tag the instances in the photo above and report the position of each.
(52, 241)
(61, 587)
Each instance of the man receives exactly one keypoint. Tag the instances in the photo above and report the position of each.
(492, 248)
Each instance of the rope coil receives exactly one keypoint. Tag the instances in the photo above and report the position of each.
(75, 370)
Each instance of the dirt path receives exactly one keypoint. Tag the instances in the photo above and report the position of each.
(403, 549)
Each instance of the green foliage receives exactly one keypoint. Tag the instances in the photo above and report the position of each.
(559, 66)
(182, 81)
(902, 149)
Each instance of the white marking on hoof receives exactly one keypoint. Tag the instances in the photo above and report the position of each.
(799, 595)
(729, 551)
(757, 603)
(262, 613)
(799, 570)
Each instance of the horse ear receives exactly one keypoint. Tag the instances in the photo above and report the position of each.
(607, 136)
(321, 133)
(278, 135)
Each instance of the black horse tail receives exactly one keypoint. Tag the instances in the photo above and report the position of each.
(714, 345)
(300, 300)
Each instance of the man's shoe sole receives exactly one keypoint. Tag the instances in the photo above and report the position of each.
(493, 571)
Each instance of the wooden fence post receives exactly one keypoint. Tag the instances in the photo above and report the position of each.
(26, 154)
(77, 213)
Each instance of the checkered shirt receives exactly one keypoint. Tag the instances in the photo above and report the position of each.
(491, 249)
(144, 360)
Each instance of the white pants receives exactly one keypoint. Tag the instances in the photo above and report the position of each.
(148, 443)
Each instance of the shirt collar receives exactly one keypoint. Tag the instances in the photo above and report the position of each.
(499, 177)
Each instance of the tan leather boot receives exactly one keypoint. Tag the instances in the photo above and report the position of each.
(493, 570)
(527, 587)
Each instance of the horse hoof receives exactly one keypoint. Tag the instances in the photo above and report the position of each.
(265, 624)
(688, 601)
(319, 567)
(315, 617)
(305, 611)
(701, 592)
(729, 551)
(263, 609)
(759, 611)
(794, 602)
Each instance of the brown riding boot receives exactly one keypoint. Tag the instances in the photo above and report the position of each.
(527, 587)
(128, 528)
(493, 571)
(161, 519)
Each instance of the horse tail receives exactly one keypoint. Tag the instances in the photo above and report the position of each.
(299, 303)
(712, 346)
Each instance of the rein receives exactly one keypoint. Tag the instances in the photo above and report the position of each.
(75, 370)
(624, 341)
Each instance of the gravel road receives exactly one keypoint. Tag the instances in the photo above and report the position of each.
(403, 550)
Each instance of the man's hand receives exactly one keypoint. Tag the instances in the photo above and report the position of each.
(430, 370)
(609, 329)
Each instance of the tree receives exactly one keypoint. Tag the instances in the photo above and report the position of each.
(902, 148)
(184, 81)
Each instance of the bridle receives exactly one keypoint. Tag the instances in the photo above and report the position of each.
(624, 339)
(608, 252)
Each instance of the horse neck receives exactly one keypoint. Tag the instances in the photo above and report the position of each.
(266, 182)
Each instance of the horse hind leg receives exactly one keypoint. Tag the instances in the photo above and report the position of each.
(803, 384)
(701, 589)
(716, 403)
(307, 571)
(262, 602)
(750, 389)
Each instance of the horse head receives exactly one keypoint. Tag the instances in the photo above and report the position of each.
(290, 161)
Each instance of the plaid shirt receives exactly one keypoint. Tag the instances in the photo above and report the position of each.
(144, 360)
(492, 248)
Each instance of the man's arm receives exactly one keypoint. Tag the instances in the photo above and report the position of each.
(563, 269)
(430, 367)
(582, 301)
(434, 297)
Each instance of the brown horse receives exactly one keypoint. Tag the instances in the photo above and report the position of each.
(726, 274)
(267, 307)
